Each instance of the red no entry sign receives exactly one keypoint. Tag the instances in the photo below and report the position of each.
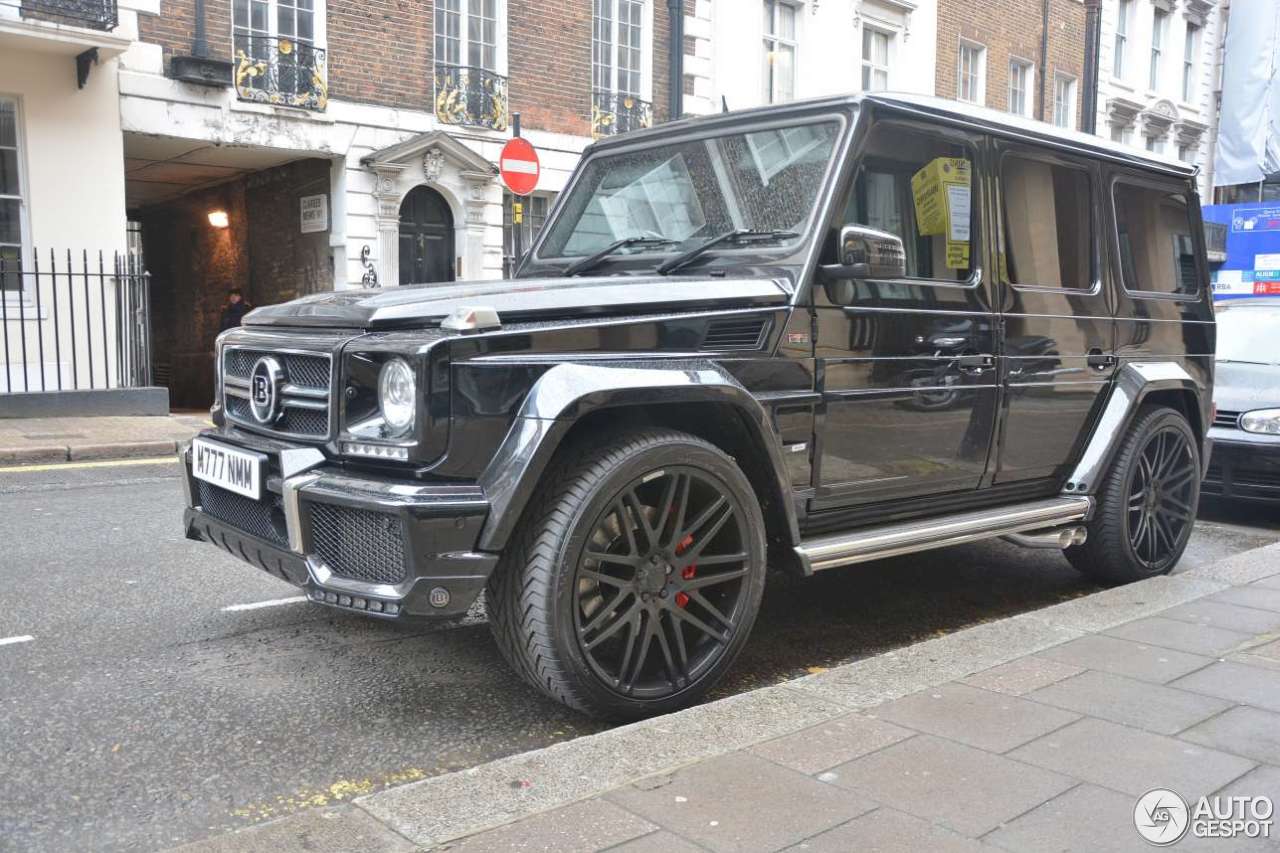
(519, 167)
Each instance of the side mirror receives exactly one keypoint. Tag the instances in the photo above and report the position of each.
(867, 253)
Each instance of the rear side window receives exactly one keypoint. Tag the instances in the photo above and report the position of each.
(1157, 254)
(1047, 235)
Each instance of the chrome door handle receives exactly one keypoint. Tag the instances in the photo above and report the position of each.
(1099, 360)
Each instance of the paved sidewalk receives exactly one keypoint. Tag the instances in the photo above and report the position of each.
(26, 441)
(1037, 732)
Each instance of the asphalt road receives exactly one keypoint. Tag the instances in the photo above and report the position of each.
(144, 713)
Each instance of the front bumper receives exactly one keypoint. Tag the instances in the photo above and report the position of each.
(392, 549)
(1243, 469)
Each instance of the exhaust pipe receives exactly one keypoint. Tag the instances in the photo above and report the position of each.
(1061, 538)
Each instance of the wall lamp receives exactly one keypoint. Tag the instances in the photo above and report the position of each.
(218, 218)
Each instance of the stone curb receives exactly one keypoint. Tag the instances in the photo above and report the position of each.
(32, 455)
(445, 808)
(123, 450)
(86, 452)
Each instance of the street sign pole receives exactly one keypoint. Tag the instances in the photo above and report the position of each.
(519, 169)
(517, 209)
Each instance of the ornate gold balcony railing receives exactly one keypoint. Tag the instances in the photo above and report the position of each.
(471, 96)
(281, 72)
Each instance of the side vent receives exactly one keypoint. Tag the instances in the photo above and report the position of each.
(736, 333)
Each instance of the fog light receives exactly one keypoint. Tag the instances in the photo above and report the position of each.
(392, 608)
(344, 600)
(359, 602)
(375, 451)
(331, 597)
(375, 606)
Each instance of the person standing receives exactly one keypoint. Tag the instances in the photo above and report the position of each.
(235, 309)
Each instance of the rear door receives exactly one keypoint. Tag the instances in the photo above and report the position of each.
(906, 366)
(1059, 335)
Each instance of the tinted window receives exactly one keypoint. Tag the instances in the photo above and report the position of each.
(1046, 224)
(1157, 253)
(918, 187)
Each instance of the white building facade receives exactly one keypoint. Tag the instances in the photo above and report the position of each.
(1156, 80)
(753, 52)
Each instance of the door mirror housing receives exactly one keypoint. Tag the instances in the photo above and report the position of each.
(869, 254)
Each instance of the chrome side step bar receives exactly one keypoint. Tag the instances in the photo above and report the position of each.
(890, 540)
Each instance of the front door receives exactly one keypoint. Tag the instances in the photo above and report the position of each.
(426, 237)
(906, 365)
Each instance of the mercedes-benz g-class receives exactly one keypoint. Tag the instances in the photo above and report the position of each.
(797, 337)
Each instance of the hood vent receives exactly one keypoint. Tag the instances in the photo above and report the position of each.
(737, 333)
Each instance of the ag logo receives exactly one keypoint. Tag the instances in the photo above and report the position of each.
(1161, 816)
(264, 390)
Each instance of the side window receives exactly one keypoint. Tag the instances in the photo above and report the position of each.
(919, 187)
(1047, 235)
(1157, 253)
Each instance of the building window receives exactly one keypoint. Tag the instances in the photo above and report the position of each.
(1159, 23)
(467, 35)
(533, 217)
(875, 60)
(1186, 153)
(779, 51)
(971, 82)
(1020, 87)
(10, 198)
(1064, 101)
(1155, 144)
(1190, 47)
(1122, 133)
(617, 54)
(279, 51)
(1123, 18)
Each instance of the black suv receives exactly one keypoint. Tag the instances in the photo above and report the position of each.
(799, 337)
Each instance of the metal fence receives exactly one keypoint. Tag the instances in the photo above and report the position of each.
(74, 322)
(94, 14)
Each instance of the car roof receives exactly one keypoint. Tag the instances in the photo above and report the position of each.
(953, 112)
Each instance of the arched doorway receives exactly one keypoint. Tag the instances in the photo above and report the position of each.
(426, 237)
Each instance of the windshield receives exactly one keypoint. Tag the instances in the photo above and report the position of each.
(764, 180)
(1249, 334)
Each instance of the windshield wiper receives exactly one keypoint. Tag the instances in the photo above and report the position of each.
(591, 261)
(738, 235)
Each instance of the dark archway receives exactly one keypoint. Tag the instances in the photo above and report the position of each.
(426, 237)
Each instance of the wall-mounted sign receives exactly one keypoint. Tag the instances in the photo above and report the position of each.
(315, 213)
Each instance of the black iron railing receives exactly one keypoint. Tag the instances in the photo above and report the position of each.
(92, 14)
(618, 112)
(473, 96)
(281, 72)
(73, 322)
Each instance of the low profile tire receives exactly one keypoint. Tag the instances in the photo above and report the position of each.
(635, 576)
(1147, 504)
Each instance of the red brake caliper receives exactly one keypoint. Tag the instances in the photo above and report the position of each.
(688, 572)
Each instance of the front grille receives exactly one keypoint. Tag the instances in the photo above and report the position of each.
(264, 519)
(304, 409)
(358, 544)
(1227, 419)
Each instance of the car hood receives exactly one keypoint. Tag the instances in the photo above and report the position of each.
(521, 299)
(1242, 387)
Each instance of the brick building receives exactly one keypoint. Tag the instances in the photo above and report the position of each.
(342, 142)
(1002, 55)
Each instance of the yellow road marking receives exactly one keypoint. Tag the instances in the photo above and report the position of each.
(104, 463)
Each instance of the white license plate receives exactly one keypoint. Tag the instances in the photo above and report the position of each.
(228, 468)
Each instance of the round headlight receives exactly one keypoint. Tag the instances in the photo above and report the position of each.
(1265, 421)
(396, 395)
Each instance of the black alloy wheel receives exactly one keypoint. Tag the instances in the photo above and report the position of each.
(1146, 502)
(634, 578)
(1161, 497)
(660, 583)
